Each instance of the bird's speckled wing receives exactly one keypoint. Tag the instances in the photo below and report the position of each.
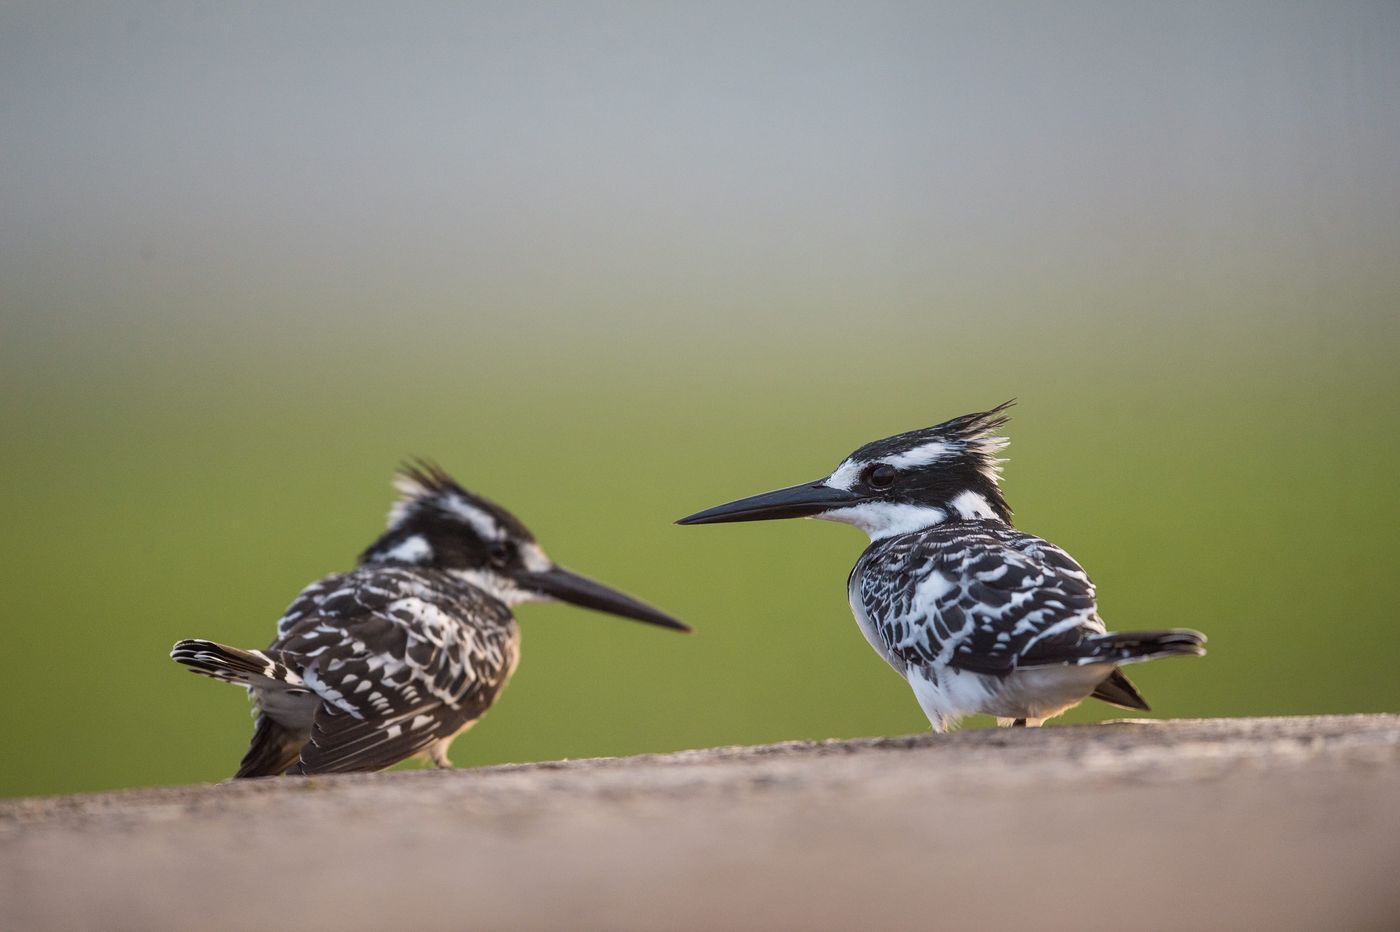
(399, 659)
(977, 596)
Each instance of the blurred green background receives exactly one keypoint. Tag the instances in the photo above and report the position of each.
(611, 264)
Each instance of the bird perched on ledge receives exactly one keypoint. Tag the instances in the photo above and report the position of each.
(977, 616)
(400, 655)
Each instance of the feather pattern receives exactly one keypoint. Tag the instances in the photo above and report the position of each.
(978, 596)
(370, 667)
(398, 658)
(969, 610)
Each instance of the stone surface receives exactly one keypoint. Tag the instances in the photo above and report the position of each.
(1285, 823)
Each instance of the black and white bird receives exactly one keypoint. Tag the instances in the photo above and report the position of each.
(977, 616)
(400, 655)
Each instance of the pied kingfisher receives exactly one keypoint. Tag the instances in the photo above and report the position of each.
(976, 616)
(400, 655)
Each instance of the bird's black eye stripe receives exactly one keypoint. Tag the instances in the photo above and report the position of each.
(880, 476)
(500, 553)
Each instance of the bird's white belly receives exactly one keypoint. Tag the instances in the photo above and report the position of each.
(951, 694)
(1035, 693)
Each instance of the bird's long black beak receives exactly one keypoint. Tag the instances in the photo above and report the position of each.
(798, 501)
(559, 583)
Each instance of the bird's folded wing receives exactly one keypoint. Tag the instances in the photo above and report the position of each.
(341, 743)
(985, 603)
(394, 673)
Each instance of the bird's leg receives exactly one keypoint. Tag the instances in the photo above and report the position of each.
(439, 756)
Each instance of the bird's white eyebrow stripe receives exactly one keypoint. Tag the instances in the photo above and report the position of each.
(413, 495)
(481, 522)
(848, 473)
(930, 452)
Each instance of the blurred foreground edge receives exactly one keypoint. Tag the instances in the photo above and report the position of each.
(1272, 823)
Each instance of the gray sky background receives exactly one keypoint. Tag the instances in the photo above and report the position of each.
(196, 166)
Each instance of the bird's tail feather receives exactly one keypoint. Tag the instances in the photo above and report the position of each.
(1119, 690)
(233, 664)
(273, 751)
(1135, 646)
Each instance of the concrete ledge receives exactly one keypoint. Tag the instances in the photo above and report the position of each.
(1281, 823)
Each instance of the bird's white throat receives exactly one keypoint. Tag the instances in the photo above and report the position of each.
(887, 519)
(880, 520)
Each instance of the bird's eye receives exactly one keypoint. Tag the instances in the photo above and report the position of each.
(880, 476)
(500, 553)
